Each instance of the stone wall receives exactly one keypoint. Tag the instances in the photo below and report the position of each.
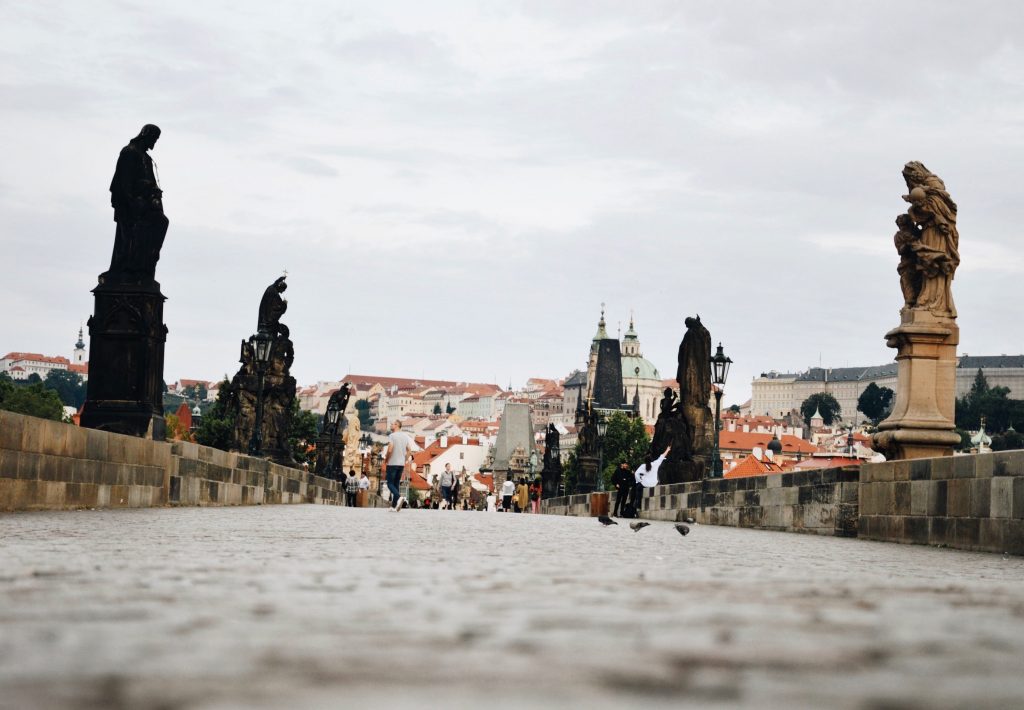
(968, 502)
(46, 465)
(822, 502)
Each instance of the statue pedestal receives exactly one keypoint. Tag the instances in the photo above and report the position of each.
(680, 471)
(922, 420)
(126, 360)
(331, 446)
(587, 481)
(551, 480)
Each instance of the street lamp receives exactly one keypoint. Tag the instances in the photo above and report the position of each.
(331, 429)
(602, 428)
(719, 372)
(262, 345)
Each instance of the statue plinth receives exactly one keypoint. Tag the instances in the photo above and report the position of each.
(680, 471)
(586, 482)
(126, 360)
(922, 420)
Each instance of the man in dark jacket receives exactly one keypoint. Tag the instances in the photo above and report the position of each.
(622, 479)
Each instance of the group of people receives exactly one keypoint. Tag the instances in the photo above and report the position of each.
(353, 485)
(629, 487)
(521, 497)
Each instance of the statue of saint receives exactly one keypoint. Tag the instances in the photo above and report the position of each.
(936, 255)
(908, 239)
(272, 307)
(551, 446)
(694, 371)
(136, 197)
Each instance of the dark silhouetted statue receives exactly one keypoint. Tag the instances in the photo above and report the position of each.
(551, 474)
(137, 200)
(685, 427)
(278, 384)
(127, 333)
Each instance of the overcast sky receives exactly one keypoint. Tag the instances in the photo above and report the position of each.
(454, 188)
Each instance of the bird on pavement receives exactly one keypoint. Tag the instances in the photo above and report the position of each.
(691, 521)
(638, 526)
(605, 520)
(683, 530)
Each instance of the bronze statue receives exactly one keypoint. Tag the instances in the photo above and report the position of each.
(928, 242)
(272, 307)
(136, 197)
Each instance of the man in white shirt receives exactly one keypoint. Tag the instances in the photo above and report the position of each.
(398, 454)
(508, 489)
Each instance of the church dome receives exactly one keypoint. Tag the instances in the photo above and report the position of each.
(775, 446)
(647, 370)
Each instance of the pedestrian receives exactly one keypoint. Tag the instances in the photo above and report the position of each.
(492, 502)
(351, 489)
(522, 496)
(364, 490)
(623, 481)
(447, 483)
(535, 490)
(508, 490)
(456, 490)
(646, 477)
(397, 455)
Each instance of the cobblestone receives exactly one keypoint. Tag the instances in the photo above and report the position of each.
(315, 606)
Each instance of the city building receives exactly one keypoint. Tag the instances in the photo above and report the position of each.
(777, 394)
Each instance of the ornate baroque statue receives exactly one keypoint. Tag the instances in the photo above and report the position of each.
(928, 243)
(272, 307)
(136, 197)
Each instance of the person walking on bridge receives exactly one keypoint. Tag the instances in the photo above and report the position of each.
(398, 454)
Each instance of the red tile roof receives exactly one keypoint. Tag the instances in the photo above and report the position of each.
(751, 466)
(81, 369)
(748, 440)
(36, 357)
(826, 462)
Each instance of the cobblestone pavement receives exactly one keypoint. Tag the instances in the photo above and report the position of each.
(313, 606)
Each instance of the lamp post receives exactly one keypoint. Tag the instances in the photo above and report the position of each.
(602, 429)
(719, 372)
(331, 429)
(262, 346)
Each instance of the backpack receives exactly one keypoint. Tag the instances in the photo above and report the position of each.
(629, 511)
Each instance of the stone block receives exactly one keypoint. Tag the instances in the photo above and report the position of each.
(1001, 497)
(54, 438)
(96, 444)
(1018, 498)
(1008, 463)
(967, 533)
(921, 469)
(102, 496)
(958, 498)
(850, 474)
(964, 466)
(981, 497)
(941, 468)
(1013, 537)
(12, 428)
(919, 497)
(75, 442)
(901, 498)
(29, 465)
(940, 531)
(824, 493)
(773, 481)
(850, 493)
(915, 529)
(984, 466)
(937, 495)
(901, 471)
(990, 535)
(876, 472)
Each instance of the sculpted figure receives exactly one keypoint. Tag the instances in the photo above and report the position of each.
(908, 239)
(937, 253)
(272, 307)
(694, 377)
(137, 200)
(551, 446)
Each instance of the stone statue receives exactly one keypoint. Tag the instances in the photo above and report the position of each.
(551, 474)
(331, 442)
(136, 197)
(351, 436)
(278, 384)
(685, 426)
(928, 242)
(272, 307)
(921, 423)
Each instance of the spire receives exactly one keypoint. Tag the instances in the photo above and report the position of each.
(636, 394)
(631, 333)
(80, 345)
(602, 333)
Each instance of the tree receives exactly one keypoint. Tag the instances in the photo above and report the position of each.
(34, 400)
(991, 403)
(449, 409)
(625, 440)
(217, 425)
(33, 379)
(734, 408)
(69, 386)
(437, 408)
(821, 402)
(363, 412)
(1010, 439)
(875, 402)
(302, 432)
(196, 391)
(571, 470)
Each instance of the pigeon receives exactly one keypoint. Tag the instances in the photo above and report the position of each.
(638, 526)
(605, 520)
(684, 530)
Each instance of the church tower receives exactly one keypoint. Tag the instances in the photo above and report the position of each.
(78, 357)
(595, 345)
